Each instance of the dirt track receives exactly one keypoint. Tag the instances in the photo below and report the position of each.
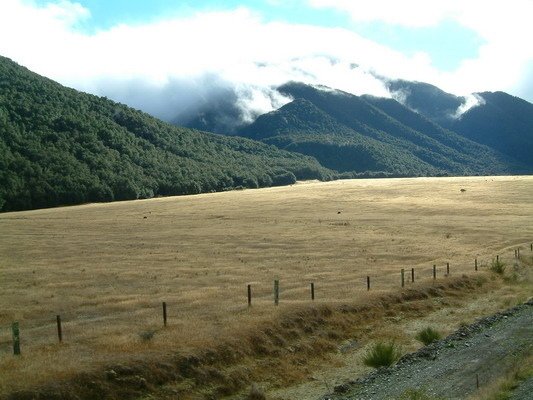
(447, 369)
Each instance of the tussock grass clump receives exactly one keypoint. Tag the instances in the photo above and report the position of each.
(146, 336)
(428, 335)
(382, 355)
(497, 266)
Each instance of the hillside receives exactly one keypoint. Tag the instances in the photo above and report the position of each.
(503, 122)
(500, 121)
(425, 99)
(302, 127)
(59, 146)
(351, 133)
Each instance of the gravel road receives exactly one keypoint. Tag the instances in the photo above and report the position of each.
(450, 367)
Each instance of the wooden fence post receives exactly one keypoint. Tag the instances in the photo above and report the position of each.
(276, 292)
(16, 338)
(249, 295)
(518, 253)
(475, 264)
(434, 271)
(497, 258)
(59, 328)
(164, 313)
(367, 283)
(403, 280)
(412, 274)
(447, 269)
(312, 291)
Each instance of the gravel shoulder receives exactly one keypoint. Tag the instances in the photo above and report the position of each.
(451, 367)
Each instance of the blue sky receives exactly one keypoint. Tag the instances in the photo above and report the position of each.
(168, 56)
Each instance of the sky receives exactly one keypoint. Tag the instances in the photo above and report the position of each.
(171, 58)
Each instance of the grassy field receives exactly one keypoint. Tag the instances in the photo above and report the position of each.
(106, 268)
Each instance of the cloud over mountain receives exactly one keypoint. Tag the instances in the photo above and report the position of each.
(173, 67)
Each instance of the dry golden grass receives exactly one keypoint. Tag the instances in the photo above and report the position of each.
(106, 268)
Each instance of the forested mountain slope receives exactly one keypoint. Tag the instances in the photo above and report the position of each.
(59, 146)
(498, 120)
(352, 133)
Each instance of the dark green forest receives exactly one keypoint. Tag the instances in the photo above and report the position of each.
(363, 134)
(501, 122)
(59, 147)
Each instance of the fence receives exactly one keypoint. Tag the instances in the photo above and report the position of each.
(371, 283)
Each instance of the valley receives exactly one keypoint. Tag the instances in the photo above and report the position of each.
(106, 269)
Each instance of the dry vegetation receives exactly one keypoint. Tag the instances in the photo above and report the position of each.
(106, 268)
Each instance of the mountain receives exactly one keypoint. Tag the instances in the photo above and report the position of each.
(59, 146)
(499, 120)
(302, 127)
(502, 122)
(363, 133)
(425, 99)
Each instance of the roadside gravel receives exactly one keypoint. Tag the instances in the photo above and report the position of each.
(451, 368)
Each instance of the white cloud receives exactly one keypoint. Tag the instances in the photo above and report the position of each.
(176, 65)
(413, 13)
(505, 27)
(470, 101)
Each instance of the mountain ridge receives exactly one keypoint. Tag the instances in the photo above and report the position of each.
(418, 145)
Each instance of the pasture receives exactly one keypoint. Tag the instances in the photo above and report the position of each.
(106, 268)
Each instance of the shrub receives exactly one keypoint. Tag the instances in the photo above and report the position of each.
(497, 266)
(428, 335)
(146, 335)
(382, 355)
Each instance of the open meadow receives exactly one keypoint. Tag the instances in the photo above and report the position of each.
(106, 268)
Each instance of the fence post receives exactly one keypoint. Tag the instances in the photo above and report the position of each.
(434, 271)
(249, 295)
(447, 269)
(16, 338)
(164, 313)
(367, 283)
(518, 253)
(412, 274)
(312, 290)
(497, 258)
(403, 280)
(475, 264)
(276, 292)
(59, 328)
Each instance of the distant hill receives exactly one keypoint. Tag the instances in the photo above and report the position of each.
(500, 121)
(503, 122)
(351, 133)
(59, 146)
(425, 99)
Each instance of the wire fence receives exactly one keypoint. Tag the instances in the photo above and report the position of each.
(369, 283)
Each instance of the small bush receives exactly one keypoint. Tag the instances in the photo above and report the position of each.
(382, 355)
(428, 335)
(146, 335)
(497, 266)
